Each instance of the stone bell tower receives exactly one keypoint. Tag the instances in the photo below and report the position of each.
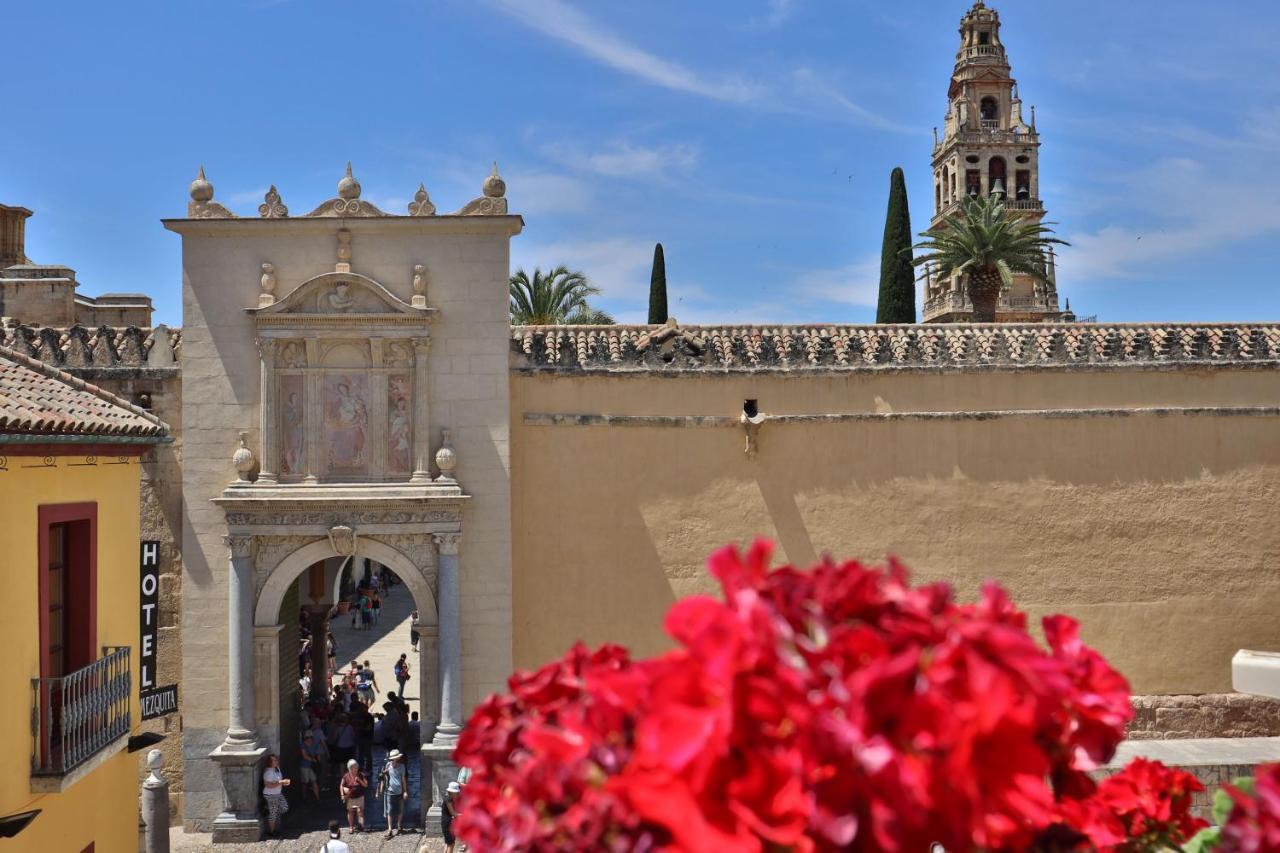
(987, 147)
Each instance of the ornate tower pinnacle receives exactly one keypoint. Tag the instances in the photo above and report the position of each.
(986, 148)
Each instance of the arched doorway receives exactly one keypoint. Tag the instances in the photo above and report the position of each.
(289, 591)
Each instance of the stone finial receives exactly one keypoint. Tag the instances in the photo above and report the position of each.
(494, 186)
(201, 189)
(268, 294)
(493, 202)
(161, 352)
(272, 207)
(155, 763)
(243, 459)
(202, 205)
(421, 204)
(348, 186)
(446, 459)
(344, 251)
(419, 298)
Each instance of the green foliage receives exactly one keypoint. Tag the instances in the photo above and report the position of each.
(556, 298)
(658, 312)
(897, 300)
(1210, 837)
(988, 244)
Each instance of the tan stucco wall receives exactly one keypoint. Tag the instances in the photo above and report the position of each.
(1157, 531)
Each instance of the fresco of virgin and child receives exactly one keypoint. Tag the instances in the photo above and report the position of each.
(346, 422)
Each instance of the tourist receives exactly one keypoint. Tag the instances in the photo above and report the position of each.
(402, 672)
(415, 730)
(391, 787)
(366, 611)
(273, 785)
(413, 631)
(331, 652)
(344, 742)
(375, 604)
(362, 721)
(371, 679)
(335, 844)
(353, 786)
(308, 760)
(448, 811)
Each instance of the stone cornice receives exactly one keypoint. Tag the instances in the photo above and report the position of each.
(806, 349)
(440, 224)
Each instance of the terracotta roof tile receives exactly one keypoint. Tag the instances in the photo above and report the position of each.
(36, 399)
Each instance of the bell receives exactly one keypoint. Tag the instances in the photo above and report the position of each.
(997, 188)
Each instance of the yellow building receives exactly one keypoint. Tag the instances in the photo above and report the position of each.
(69, 533)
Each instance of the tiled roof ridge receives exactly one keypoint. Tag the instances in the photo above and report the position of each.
(846, 346)
(78, 346)
(159, 427)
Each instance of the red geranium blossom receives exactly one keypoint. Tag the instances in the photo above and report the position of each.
(838, 708)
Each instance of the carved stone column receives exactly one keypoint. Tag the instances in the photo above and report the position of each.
(421, 412)
(429, 675)
(318, 624)
(269, 459)
(437, 756)
(239, 754)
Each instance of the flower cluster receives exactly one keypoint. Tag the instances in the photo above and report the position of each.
(1253, 825)
(838, 708)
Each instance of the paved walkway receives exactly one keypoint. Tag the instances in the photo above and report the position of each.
(1194, 752)
(304, 827)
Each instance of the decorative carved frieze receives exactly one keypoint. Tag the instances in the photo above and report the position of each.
(311, 518)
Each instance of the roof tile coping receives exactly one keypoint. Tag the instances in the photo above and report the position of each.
(150, 425)
(864, 347)
(78, 347)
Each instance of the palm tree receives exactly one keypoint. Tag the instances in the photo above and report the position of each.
(986, 244)
(556, 298)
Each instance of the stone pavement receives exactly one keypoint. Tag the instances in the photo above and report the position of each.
(310, 842)
(382, 645)
(1194, 752)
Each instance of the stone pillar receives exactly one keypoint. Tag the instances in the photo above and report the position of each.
(239, 754)
(438, 765)
(269, 458)
(155, 806)
(318, 623)
(429, 673)
(421, 412)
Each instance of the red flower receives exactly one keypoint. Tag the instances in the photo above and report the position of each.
(1254, 823)
(838, 708)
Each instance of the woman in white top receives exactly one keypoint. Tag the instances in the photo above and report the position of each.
(273, 785)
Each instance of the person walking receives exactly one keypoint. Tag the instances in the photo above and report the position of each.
(402, 673)
(353, 787)
(376, 603)
(370, 679)
(308, 762)
(366, 611)
(335, 844)
(449, 811)
(414, 637)
(331, 652)
(273, 785)
(392, 783)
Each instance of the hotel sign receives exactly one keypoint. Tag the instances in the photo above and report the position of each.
(156, 701)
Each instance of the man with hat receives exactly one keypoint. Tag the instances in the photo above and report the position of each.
(392, 783)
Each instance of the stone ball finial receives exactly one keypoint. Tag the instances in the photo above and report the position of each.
(243, 458)
(201, 189)
(494, 186)
(155, 760)
(446, 459)
(348, 187)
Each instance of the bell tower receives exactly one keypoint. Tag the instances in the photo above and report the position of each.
(988, 147)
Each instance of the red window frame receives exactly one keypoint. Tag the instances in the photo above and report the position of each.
(80, 596)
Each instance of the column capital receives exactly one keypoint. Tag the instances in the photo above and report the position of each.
(447, 543)
(267, 349)
(422, 345)
(239, 545)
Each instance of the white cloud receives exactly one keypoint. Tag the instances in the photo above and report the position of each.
(803, 91)
(857, 283)
(533, 193)
(625, 159)
(619, 266)
(562, 21)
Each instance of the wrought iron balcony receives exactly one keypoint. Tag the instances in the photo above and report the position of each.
(77, 716)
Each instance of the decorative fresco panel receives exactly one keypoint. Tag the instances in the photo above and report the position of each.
(346, 422)
(399, 425)
(293, 424)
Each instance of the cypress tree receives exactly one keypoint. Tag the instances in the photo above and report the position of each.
(658, 288)
(897, 302)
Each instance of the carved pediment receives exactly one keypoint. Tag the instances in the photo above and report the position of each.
(339, 294)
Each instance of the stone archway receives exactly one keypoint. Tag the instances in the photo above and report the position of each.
(282, 576)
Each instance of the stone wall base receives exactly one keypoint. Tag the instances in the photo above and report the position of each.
(1204, 716)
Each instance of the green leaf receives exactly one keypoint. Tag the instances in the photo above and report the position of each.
(1204, 840)
(1222, 804)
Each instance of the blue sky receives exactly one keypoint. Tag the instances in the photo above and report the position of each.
(754, 138)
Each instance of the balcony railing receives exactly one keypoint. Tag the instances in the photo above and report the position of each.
(959, 302)
(989, 123)
(75, 717)
(1009, 204)
(981, 50)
